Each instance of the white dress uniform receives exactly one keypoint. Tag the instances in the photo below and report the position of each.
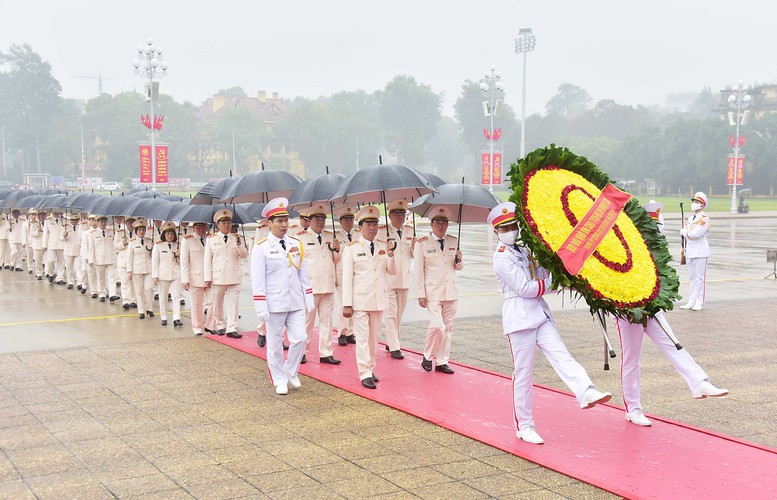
(121, 239)
(81, 267)
(90, 274)
(102, 256)
(34, 238)
(223, 267)
(435, 269)
(282, 294)
(697, 251)
(54, 243)
(320, 267)
(398, 283)
(16, 241)
(139, 265)
(72, 251)
(344, 325)
(5, 247)
(193, 274)
(166, 268)
(366, 265)
(261, 233)
(527, 322)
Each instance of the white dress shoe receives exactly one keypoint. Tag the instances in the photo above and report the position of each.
(282, 389)
(687, 306)
(638, 418)
(697, 307)
(294, 382)
(529, 435)
(706, 390)
(593, 397)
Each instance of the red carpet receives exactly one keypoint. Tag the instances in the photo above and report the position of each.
(597, 446)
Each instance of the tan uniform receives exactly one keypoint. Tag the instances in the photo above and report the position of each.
(366, 291)
(81, 267)
(54, 243)
(223, 267)
(102, 256)
(399, 283)
(16, 241)
(127, 288)
(90, 274)
(435, 280)
(321, 262)
(72, 251)
(193, 274)
(139, 265)
(34, 235)
(166, 268)
(344, 325)
(5, 247)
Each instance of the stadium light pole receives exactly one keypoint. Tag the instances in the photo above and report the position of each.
(523, 45)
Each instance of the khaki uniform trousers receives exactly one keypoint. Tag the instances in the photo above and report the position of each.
(173, 287)
(366, 327)
(16, 255)
(70, 268)
(396, 309)
(323, 305)
(105, 279)
(200, 298)
(344, 325)
(438, 336)
(225, 306)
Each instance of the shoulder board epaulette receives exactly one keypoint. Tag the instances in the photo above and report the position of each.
(301, 232)
(451, 236)
(382, 226)
(261, 241)
(211, 235)
(188, 236)
(352, 243)
(293, 238)
(424, 238)
(380, 240)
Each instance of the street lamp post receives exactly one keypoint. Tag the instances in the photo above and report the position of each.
(149, 64)
(524, 44)
(738, 101)
(83, 156)
(492, 88)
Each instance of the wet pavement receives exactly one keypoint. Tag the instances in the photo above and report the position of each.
(97, 403)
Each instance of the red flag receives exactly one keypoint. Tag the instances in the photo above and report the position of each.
(487, 133)
(497, 134)
(742, 139)
(158, 122)
(731, 140)
(145, 121)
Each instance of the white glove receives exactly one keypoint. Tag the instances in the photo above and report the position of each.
(263, 317)
(684, 232)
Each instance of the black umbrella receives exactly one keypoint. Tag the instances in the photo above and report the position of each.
(196, 213)
(317, 190)
(261, 186)
(114, 205)
(30, 201)
(81, 202)
(52, 202)
(4, 193)
(54, 191)
(167, 211)
(15, 197)
(146, 194)
(172, 197)
(146, 207)
(434, 179)
(134, 190)
(466, 203)
(212, 192)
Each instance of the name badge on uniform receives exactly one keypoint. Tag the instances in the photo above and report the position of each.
(431, 251)
(361, 254)
(311, 243)
(272, 252)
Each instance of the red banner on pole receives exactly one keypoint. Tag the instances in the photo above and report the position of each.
(592, 228)
(740, 170)
(497, 168)
(145, 164)
(161, 164)
(485, 160)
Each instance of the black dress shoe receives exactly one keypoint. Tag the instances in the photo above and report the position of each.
(150, 314)
(183, 302)
(51, 278)
(351, 339)
(142, 316)
(125, 306)
(80, 287)
(375, 378)
(369, 383)
(397, 354)
(29, 271)
(221, 331)
(83, 290)
(341, 340)
(70, 287)
(304, 360)
(18, 269)
(387, 348)
(114, 298)
(209, 331)
(426, 364)
(156, 296)
(169, 297)
(234, 335)
(164, 322)
(133, 305)
(261, 340)
(443, 369)
(41, 277)
(102, 299)
(329, 360)
(285, 347)
(94, 295)
(178, 322)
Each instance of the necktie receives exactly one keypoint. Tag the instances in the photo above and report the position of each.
(442, 245)
(169, 246)
(283, 244)
(226, 237)
(142, 241)
(399, 232)
(372, 247)
(202, 240)
(349, 237)
(319, 239)
(103, 233)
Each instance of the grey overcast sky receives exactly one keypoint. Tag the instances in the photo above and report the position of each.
(632, 51)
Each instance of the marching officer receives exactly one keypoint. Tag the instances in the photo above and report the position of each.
(322, 253)
(89, 278)
(35, 242)
(166, 271)
(139, 268)
(400, 234)
(193, 278)
(5, 246)
(282, 294)
(697, 251)
(72, 249)
(224, 253)
(345, 235)
(16, 240)
(121, 238)
(436, 262)
(527, 322)
(261, 232)
(54, 246)
(366, 263)
(101, 256)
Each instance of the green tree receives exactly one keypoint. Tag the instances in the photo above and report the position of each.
(569, 101)
(232, 92)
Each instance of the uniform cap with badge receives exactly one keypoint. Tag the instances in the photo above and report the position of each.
(502, 214)
(701, 198)
(139, 223)
(441, 213)
(345, 212)
(369, 213)
(397, 206)
(317, 209)
(277, 207)
(33, 211)
(167, 226)
(92, 217)
(653, 208)
(222, 214)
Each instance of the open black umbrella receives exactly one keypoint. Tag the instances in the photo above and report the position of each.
(81, 202)
(114, 205)
(54, 191)
(317, 190)
(146, 194)
(261, 186)
(4, 193)
(172, 197)
(167, 211)
(434, 179)
(212, 192)
(52, 202)
(15, 197)
(30, 202)
(147, 207)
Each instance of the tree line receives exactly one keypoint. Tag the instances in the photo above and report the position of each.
(683, 145)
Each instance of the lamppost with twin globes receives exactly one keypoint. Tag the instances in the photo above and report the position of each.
(524, 44)
(738, 101)
(149, 64)
(492, 88)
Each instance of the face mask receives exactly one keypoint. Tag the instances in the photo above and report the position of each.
(509, 237)
(695, 206)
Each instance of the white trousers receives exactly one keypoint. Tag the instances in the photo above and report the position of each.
(344, 325)
(225, 306)
(294, 322)
(697, 273)
(438, 336)
(631, 348)
(396, 309)
(200, 299)
(173, 287)
(105, 279)
(17, 252)
(126, 287)
(522, 344)
(30, 260)
(55, 265)
(323, 305)
(37, 256)
(70, 268)
(366, 328)
(5, 252)
(144, 292)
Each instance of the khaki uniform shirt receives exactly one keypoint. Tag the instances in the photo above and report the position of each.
(193, 260)
(435, 269)
(224, 260)
(364, 275)
(320, 260)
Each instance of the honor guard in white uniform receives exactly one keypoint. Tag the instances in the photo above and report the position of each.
(223, 268)
(54, 245)
(436, 262)
(35, 242)
(262, 230)
(322, 253)
(139, 268)
(27, 246)
(101, 256)
(121, 239)
(366, 264)
(346, 235)
(282, 295)
(16, 239)
(528, 324)
(697, 251)
(166, 271)
(5, 246)
(193, 278)
(90, 275)
(72, 248)
(400, 234)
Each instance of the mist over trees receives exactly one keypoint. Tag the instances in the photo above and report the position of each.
(682, 144)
